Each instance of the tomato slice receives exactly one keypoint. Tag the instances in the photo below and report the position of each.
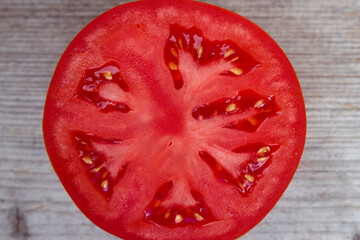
(174, 120)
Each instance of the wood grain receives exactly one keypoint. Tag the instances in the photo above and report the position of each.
(322, 40)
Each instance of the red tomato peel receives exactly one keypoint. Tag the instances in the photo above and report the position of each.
(174, 120)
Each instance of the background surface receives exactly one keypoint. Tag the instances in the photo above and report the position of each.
(321, 39)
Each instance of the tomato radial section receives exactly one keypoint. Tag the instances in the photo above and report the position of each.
(165, 125)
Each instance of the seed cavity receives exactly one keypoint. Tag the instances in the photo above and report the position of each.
(94, 161)
(177, 216)
(92, 80)
(204, 52)
(243, 102)
(270, 109)
(245, 178)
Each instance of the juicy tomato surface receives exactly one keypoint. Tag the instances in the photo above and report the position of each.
(174, 120)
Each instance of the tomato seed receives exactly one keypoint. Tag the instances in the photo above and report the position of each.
(234, 59)
(173, 51)
(263, 150)
(249, 177)
(259, 104)
(228, 53)
(262, 159)
(105, 185)
(87, 160)
(198, 217)
(167, 214)
(240, 184)
(180, 43)
(237, 71)
(104, 175)
(157, 203)
(200, 51)
(178, 218)
(96, 170)
(173, 66)
(231, 107)
(107, 75)
(253, 121)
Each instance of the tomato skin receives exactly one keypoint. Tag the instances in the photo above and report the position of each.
(90, 49)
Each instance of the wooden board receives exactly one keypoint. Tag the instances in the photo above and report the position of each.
(322, 40)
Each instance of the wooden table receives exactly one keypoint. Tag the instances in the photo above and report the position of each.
(322, 40)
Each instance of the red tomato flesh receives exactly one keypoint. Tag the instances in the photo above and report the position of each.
(174, 120)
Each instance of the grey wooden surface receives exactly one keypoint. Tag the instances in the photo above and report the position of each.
(322, 40)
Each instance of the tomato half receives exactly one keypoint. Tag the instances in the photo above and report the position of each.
(174, 120)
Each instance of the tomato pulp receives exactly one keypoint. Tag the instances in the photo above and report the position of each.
(174, 120)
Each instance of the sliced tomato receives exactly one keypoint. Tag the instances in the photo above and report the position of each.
(174, 120)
